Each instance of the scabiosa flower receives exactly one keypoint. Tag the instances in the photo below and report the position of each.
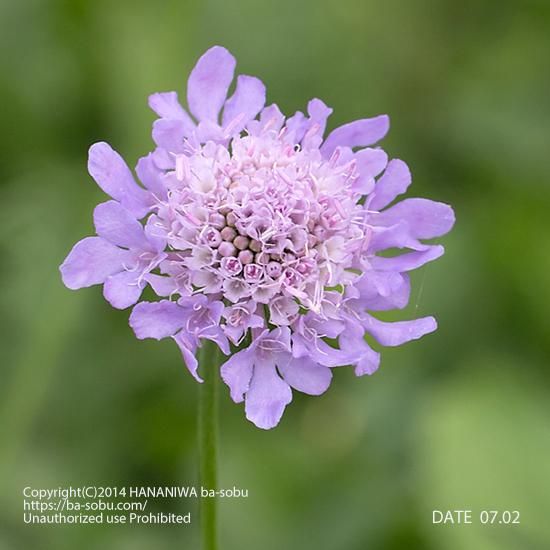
(261, 235)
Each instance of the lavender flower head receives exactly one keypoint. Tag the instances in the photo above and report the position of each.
(260, 234)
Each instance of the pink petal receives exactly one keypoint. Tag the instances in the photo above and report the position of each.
(220, 339)
(188, 352)
(157, 319)
(155, 236)
(360, 133)
(162, 159)
(167, 105)
(318, 114)
(272, 117)
(296, 127)
(395, 334)
(394, 236)
(210, 131)
(91, 261)
(247, 101)
(393, 182)
(367, 360)
(112, 174)
(306, 376)
(208, 83)
(236, 372)
(122, 290)
(151, 176)
(267, 397)
(407, 262)
(426, 219)
(371, 161)
(169, 134)
(383, 290)
(115, 224)
(163, 286)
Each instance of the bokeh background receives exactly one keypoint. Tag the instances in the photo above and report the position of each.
(459, 420)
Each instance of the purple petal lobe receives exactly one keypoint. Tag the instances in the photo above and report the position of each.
(91, 261)
(112, 174)
(208, 83)
(217, 336)
(247, 101)
(169, 134)
(407, 262)
(188, 349)
(393, 182)
(426, 219)
(383, 290)
(370, 162)
(157, 319)
(306, 376)
(368, 362)
(156, 239)
(394, 236)
(115, 224)
(359, 133)
(237, 373)
(296, 127)
(167, 105)
(318, 114)
(210, 131)
(365, 359)
(163, 286)
(395, 334)
(267, 397)
(162, 159)
(122, 290)
(272, 118)
(151, 176)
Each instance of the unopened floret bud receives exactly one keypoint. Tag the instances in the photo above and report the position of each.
(227, 249)
(241, 242)
(228, 233)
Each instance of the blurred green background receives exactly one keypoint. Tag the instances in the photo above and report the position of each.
(459, 420)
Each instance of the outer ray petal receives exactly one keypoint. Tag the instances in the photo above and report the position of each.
(115, 224)
(157, 319)
(123, 289)
(208, 83)
(400, 332)
(426, 219)
(112, 174)
(305, 375)
(91, 261)
(395, 181)
(359, 133)
(167, 105)
(247, 101)
(237, 373)
(267, 397)
(407, 262)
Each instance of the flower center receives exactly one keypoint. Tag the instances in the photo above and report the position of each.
(271, 219)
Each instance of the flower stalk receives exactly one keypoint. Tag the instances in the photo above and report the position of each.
(209, 359)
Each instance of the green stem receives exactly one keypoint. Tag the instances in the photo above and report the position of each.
(208, 441)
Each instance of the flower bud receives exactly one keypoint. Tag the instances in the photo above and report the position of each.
(228, 233)
(274, 269)
(227, 249)
(241, 242)
(246, 257)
